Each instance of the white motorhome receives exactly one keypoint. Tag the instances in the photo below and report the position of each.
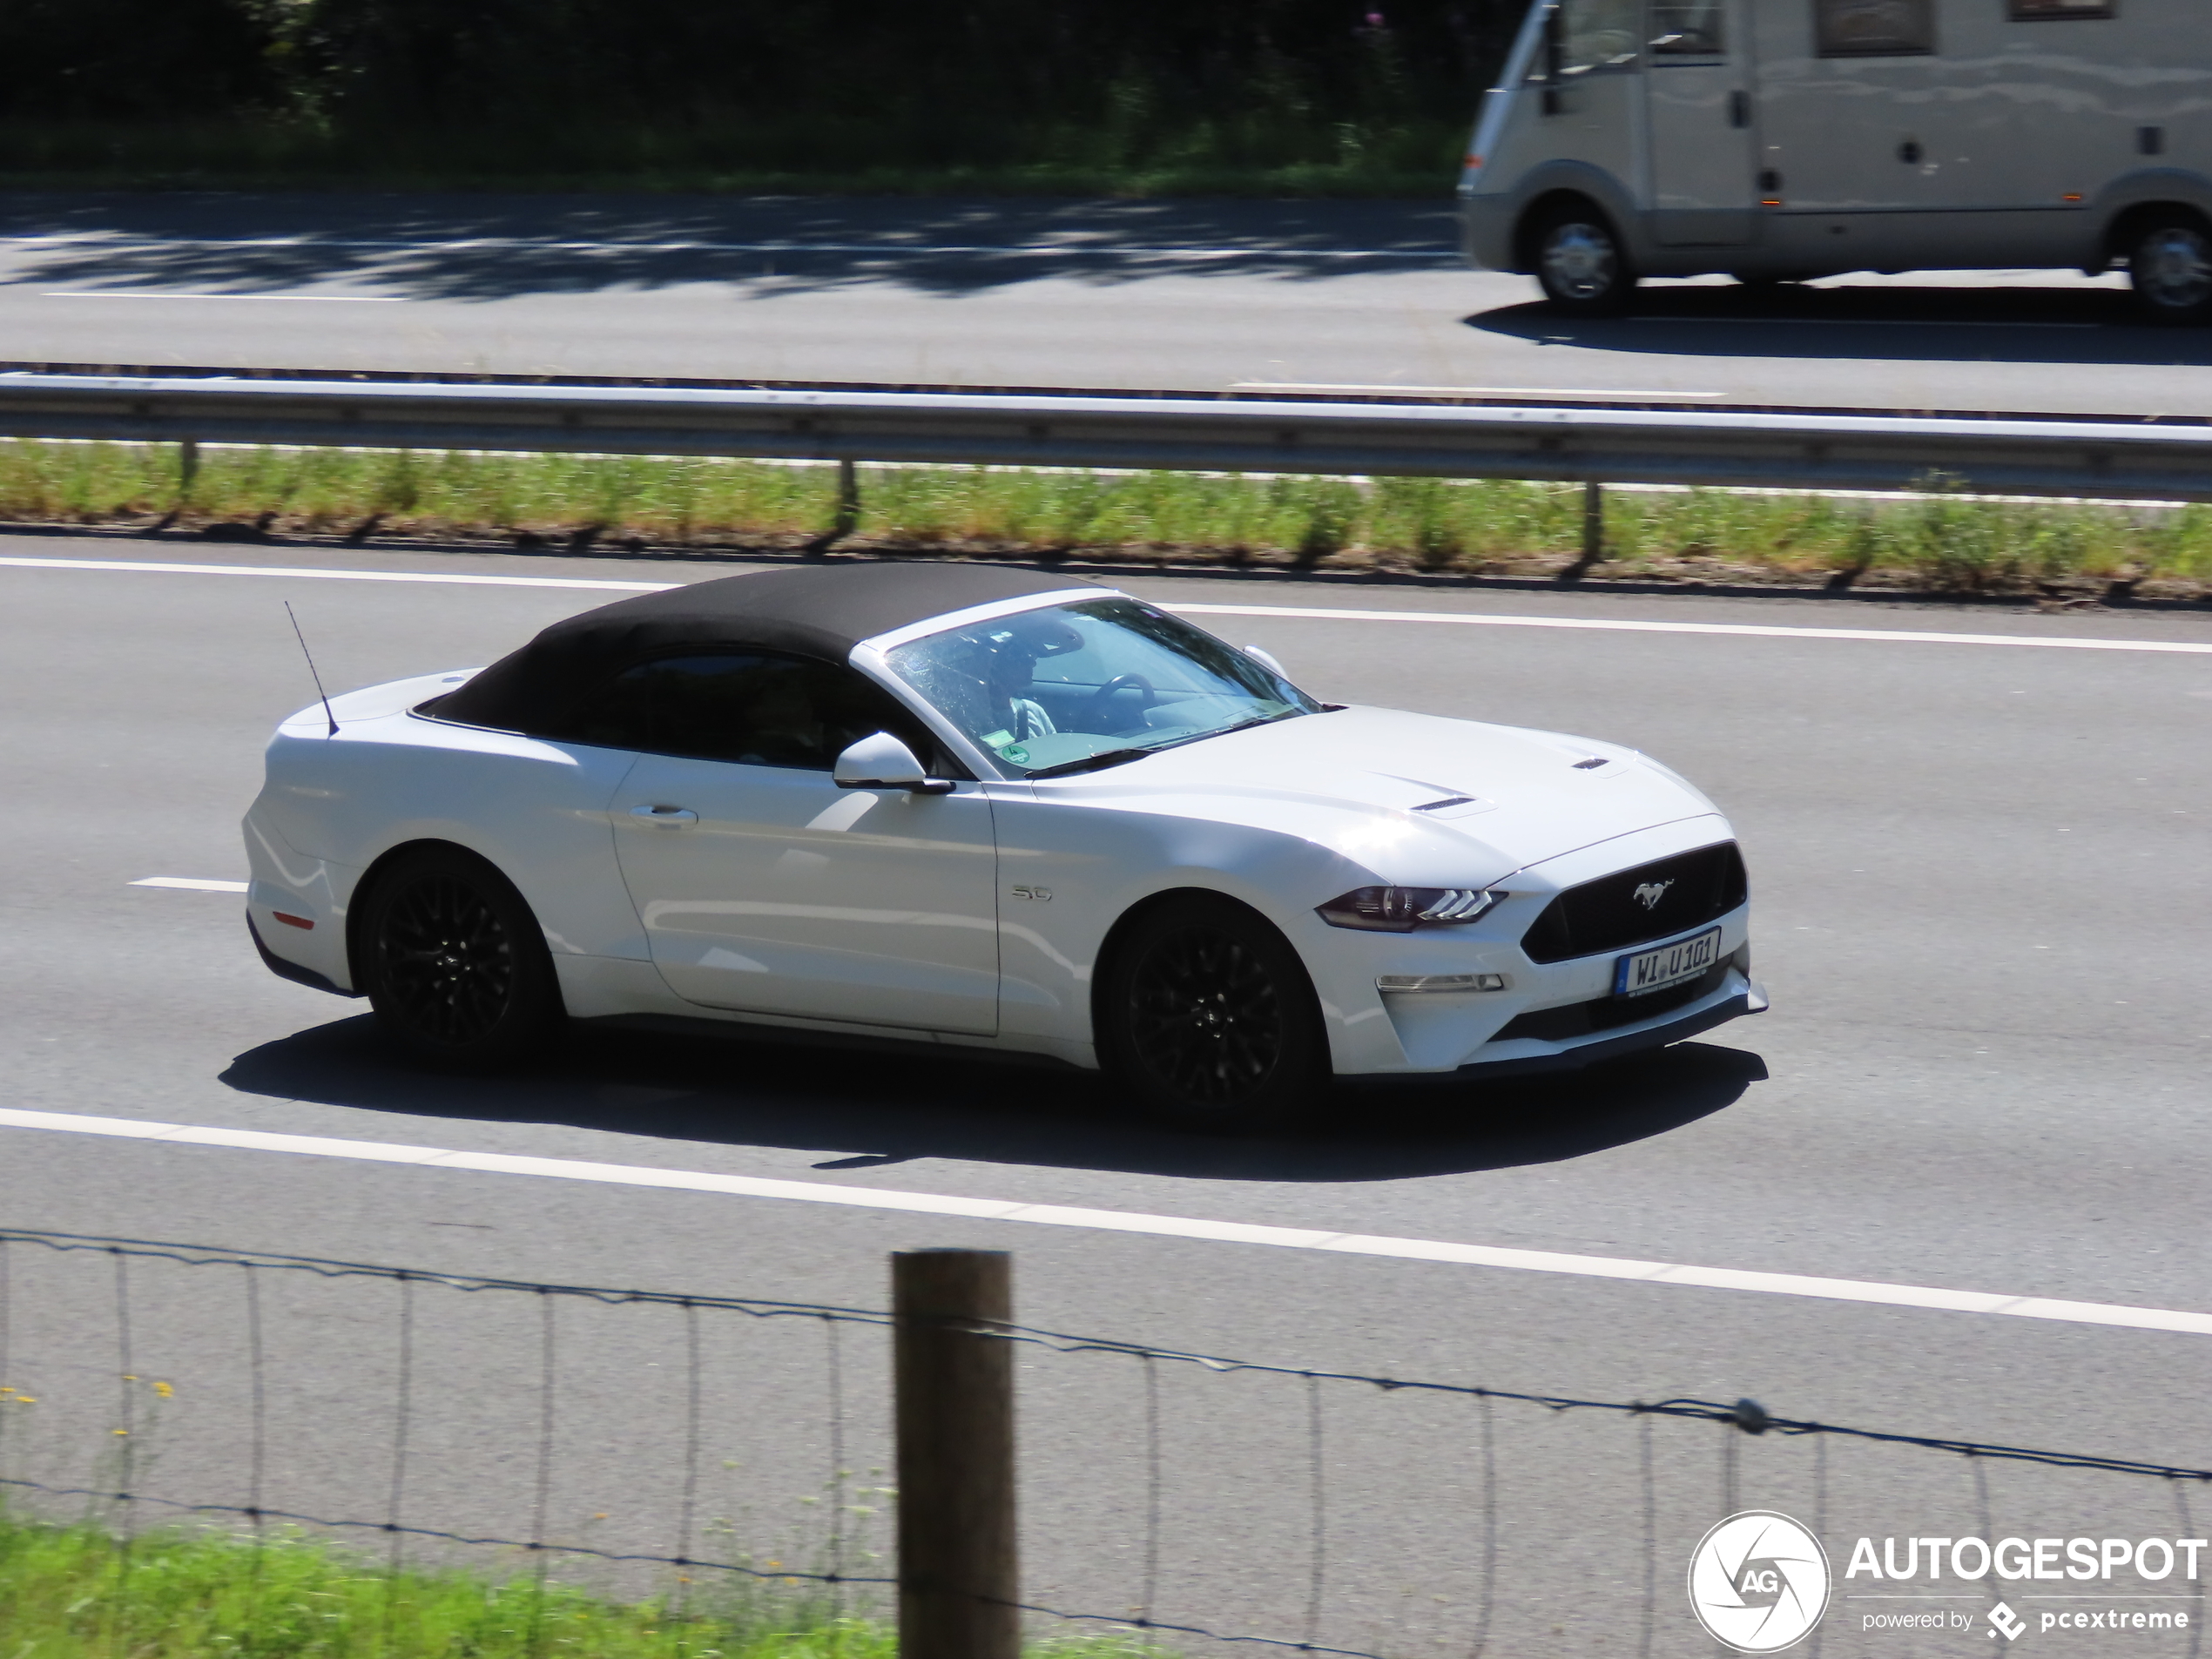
(1777, 140)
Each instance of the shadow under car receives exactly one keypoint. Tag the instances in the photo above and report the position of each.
(866, 1109)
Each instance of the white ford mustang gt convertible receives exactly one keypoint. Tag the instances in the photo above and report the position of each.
(987, 808)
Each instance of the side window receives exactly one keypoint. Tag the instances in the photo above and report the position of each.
(1873, 28)
(1589, 35)
(2044, 11)
(753, 707)
(1688, 28)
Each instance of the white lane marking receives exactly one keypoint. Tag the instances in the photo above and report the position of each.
(190, 883)
(317, 298)
(1308, 612)
(1460, 391)
(533, 244)
(301, 572)
(1744, 629)
(1050, 1214)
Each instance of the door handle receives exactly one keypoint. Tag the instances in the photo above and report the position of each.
(673, 817)
(1739, 109)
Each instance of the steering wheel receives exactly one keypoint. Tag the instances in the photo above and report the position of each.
(1101, 703)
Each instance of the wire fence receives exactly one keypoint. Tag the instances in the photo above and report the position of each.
(646, 1441)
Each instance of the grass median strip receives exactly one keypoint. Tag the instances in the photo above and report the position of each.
(70, 1592)
(1935, 541)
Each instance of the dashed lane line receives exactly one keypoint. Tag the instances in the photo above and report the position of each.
(190, 883)
(1310, 613)
(153, 293)
(1049, 1215)
(1747, 630)
(304, 573)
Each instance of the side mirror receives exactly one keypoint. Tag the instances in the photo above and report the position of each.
(1266, 660)
(883, 762)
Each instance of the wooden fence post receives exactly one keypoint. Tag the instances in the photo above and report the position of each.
(959, 1566)
(848, 499)
(1592, 523)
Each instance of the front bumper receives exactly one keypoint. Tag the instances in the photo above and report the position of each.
(1487, 224)
(1730, 1005)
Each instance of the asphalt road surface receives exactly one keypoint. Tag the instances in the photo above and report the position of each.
(1978, 897)
(1202, 296)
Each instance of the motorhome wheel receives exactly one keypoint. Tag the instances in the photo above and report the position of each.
(2169, 264)
(1580, 264)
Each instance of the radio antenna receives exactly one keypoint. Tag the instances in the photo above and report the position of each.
(310, 656)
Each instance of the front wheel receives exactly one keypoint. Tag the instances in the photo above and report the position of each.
(2169, 266)
(1581, 265)
(1207, 1018)
(456, 966)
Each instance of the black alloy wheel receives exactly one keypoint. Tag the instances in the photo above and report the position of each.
(1580, 263)
(2169, 266)
(456, 966)
(1207, 1016)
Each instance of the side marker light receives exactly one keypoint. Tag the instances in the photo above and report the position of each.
(292, 922)
(1400, 984)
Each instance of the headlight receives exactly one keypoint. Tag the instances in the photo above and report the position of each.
(1400, 910)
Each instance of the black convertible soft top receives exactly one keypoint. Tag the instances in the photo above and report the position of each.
(821, 612)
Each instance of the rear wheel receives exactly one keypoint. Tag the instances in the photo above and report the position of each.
(1206, 1016)
(1580, 262)
(2170, 266)
(455, 964)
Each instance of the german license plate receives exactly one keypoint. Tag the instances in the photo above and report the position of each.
(1654, 970)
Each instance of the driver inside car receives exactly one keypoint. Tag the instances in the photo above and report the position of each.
(1002, 661)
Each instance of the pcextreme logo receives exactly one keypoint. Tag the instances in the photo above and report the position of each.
(1758, 1582)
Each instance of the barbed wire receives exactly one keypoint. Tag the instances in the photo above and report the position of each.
(1745, 1415)
(220, 1256)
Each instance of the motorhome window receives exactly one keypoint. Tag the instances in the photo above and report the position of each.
(2045, 10)
(1688, 28)
(1874, 28)
(1598, 34)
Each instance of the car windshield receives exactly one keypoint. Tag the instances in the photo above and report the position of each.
(1076, 687)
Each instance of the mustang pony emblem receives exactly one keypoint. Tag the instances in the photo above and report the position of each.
(1651, 893)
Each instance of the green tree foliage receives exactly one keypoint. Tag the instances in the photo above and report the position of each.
(124, 59)
(800, 83)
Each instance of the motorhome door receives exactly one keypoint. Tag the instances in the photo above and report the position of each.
(1703, 150)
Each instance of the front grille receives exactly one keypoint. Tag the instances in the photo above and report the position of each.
(1604, 1013)
(1606, 914)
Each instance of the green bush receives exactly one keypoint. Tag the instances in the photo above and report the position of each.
(1943, 543)
(76, 1593)
(1082, 95)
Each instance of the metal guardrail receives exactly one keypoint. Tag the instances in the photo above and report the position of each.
(2099, 459)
